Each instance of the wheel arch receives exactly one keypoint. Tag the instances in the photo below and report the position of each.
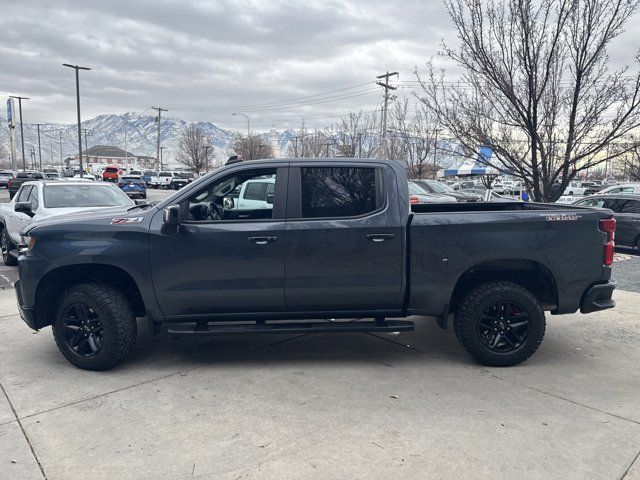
(530, 274)
(55, 281)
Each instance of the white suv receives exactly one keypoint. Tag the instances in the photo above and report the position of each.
(623, 188)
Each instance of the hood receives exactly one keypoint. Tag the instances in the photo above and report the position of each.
(83, 215)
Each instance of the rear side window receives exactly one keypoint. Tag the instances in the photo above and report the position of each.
(337, 191)
(256, 191)
(631, 206)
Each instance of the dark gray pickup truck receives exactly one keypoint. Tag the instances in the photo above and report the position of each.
(327, 245)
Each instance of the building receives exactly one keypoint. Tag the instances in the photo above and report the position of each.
(108, 154)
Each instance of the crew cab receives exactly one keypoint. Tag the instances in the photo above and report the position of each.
(162, 180)
(339, 244)
(180, 179)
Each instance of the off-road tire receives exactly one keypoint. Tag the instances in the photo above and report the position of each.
(475, 303)
(8, 259)
(118, 321)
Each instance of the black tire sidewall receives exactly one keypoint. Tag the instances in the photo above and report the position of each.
(474, 305)
(106, 357)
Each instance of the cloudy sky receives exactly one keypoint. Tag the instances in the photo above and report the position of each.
(276, 61)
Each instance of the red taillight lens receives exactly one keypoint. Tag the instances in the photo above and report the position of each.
(9, 183)
(608, 225)
(413, 200)
(120, 184)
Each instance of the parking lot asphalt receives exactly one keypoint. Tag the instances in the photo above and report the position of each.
(326, 406)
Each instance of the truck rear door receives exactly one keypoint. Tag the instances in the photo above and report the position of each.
(344, 238)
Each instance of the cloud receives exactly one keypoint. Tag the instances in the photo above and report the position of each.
(201, 58)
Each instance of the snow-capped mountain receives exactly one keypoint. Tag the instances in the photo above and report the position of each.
(133, 132)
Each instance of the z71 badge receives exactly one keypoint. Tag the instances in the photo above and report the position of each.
(561, 217)
(123, 221)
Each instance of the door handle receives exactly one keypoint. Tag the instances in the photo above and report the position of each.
(380, 237)
(262, 240)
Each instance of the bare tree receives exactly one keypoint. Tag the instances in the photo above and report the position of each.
(5, 158)
(537, 88)
(194, 149)
(413, 139)
(311, 144)
(631, 165)
(253, 147)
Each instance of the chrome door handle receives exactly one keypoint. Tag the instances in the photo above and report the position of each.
(262, 240)
(380, 237)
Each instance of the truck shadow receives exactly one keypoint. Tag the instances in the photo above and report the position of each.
(427, 342)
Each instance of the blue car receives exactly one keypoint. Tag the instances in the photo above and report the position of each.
(133, 185)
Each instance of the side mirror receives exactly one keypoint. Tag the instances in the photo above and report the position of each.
(24, 207)
(171, 215)
(140, 202)
(228, 203)
(270, 197)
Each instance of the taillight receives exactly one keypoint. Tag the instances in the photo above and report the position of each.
(120, 184)
(608, 226)
(9, 183)
(413, 200)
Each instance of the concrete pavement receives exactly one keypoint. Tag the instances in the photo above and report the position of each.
(326, 406)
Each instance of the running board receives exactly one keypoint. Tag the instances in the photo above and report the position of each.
(203, 328)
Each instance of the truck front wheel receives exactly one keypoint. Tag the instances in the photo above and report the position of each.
(95, 326)
(500, 323)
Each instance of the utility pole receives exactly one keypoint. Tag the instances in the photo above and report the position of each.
(38, 125)
(90, 133)
(33, 157)
(435, 148)
(24, 162)
(386, 87)
(61, 162)
(158, 151)
(161, 155)
(77, 68)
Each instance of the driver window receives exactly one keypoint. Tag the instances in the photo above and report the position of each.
(247, 195)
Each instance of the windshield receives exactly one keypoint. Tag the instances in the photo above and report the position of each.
(439, 187)
(93, 195)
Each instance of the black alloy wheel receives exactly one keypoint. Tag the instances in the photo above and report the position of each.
(500, 323)
(83, 330)
(503, 327)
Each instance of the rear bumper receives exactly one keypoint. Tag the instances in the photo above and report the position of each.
(26, 313)
(598, 297)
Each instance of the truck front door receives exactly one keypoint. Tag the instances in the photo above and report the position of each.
(222, 259)
(344, 239)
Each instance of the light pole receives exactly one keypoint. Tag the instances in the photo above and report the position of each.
(39, 146)
(248, 124)
(24, 162)
(77, 68)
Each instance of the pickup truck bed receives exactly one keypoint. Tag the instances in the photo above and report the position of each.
(337, 241)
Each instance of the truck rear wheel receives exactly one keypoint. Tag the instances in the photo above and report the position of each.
(500, 323)
(95, 326)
